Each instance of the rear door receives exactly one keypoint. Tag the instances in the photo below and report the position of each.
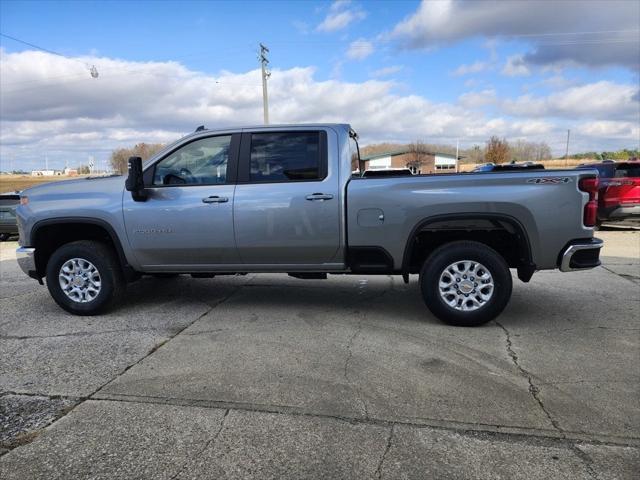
(287, 201)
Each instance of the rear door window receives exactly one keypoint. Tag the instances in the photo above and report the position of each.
(626, 171)
(286, 157)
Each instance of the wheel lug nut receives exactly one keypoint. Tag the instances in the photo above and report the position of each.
(464, 276)
(457, 279)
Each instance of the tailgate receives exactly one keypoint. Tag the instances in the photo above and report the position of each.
(624, 188)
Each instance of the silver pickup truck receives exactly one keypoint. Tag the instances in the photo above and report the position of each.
(285, 199)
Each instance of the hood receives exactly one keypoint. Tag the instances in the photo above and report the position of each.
(76, 187)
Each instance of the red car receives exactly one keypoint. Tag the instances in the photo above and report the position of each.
(619, 193)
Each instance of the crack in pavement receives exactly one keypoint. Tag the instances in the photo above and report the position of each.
(386, 451)
(512, 433)
(165, 341)
(79, 334)
(347, 361)
(211, 441)
(172, 335)
(617, 329)
(586, 459)
(632, 278)
(533, 389)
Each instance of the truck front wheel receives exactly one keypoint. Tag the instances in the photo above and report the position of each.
(465, 283)
(84, 277)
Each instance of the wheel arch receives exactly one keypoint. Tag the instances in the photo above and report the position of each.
(464, 223)
(49, 234)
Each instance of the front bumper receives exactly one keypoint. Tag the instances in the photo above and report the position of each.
(26, 257)
(581, 255)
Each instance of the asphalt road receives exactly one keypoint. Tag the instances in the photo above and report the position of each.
(266, 376)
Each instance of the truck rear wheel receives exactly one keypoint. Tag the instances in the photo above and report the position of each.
(84, 277)
(465, 283)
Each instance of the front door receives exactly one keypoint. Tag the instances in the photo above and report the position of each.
(287, 201)
(187, 221)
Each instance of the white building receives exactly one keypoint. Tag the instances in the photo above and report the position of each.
(444, 162)
(45, 173)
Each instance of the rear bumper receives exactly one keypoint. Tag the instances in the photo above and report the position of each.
(581, 255)
(11, 228)
(625, 212)
(26, 261)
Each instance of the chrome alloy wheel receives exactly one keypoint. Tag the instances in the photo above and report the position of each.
(80, 280)
(466, 285)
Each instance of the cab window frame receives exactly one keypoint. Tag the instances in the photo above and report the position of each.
(232, 164)
(244, 163)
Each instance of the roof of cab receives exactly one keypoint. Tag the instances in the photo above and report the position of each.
(276, 126)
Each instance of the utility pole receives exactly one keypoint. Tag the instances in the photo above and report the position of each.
(265, 74)
(457, 149)
(566, 152)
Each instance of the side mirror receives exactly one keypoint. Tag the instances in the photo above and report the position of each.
(135, 181)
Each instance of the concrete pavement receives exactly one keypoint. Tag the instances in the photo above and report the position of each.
(266, 376)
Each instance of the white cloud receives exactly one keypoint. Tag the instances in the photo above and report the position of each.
(360, 49)
(604, 99)
(478, 99)
(50, 105)
(466, 69)
(594, 33)
(341, 15)
(385, 71)
(516, 67)
(611, 129)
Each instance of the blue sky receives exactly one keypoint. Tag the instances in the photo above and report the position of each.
(443, 69)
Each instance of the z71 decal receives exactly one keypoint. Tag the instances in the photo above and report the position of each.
(549, 180)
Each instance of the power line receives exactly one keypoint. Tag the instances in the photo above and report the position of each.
(33, 45)
(93, 71)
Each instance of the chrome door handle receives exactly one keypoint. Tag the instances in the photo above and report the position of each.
(215, 199)
(319, 196)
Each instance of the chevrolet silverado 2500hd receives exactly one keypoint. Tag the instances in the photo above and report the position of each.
(284, 199)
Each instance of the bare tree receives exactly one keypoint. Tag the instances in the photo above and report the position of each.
(120, 157)
(497, 150)
(474, 154)
(418, 152)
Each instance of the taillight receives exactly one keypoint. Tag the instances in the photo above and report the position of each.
(590, 185)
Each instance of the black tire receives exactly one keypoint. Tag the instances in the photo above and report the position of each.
(450, 253)
(4, 237)
(104, 258)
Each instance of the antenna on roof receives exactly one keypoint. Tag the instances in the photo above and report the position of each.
(200, 128)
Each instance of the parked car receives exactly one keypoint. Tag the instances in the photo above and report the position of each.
(619, 192)
(508, 167)
(8, 221)
(388, 172)
(281, 198)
